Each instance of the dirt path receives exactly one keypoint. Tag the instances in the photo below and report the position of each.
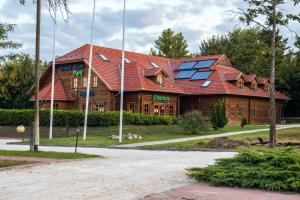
(121, 175)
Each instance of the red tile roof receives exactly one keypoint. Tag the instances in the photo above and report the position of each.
(140, 67)
(59, 92)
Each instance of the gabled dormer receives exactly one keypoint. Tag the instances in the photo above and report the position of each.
(236, 78)
(264, 84)
(251, 81)
(157, 75)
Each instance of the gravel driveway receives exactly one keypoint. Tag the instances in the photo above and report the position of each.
(122, 174)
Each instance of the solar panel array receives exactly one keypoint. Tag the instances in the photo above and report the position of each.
(185, 74)
(195, 64)
(201, 75)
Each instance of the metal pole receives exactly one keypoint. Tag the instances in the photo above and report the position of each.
(53, 78)
(89, 76)
(122, 76)
(37, 84)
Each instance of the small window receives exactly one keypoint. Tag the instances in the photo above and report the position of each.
(253, 86)
(161, 110)
(146, 108)
(99, 107)
(156, 109)
(83, 106)
(103, 57)
(75, 83)
(266, 113)
(239, 111)
(171, 110)
(160, 80)
(206, 83)
(154, 65)
(85, 81)
(55, 106)
(95, 81)
(253, 112)
(232, 111)
(240, 84)
(267, 89)
(131, 107)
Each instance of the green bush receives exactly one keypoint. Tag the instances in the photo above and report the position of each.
(193, 122)
(243, 122)
(76, 117)
(218, 116)
(270, 169)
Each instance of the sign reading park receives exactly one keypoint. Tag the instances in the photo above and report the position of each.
(160, 98)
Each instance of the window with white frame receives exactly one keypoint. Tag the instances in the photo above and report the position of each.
(85, 82)
(95, 81)
(75, 83)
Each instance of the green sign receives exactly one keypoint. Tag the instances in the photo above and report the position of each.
(78, 73)
(160, 98)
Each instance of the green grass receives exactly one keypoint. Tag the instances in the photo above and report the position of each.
(10, 163)
(45, 154)
(284, 135)
(275, 169)
(99, 137)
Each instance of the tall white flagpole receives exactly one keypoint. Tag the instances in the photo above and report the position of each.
(53, 78)
(89, 76)
(122, 76)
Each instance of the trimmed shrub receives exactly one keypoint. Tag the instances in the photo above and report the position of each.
(193, 122)
(76, 117)
(218, 116)
(270, 169)
(243, 122)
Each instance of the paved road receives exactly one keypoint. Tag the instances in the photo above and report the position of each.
(141, 144)
(122, 174)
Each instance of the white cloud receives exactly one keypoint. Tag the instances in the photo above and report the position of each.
(197, 19)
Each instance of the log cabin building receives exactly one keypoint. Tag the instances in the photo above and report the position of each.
(156, 85)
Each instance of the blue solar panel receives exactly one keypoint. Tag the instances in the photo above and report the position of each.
(186, 65)
(185, 74)
(201, 75)
(204, 64)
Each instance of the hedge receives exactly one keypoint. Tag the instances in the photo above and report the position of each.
(73, 118)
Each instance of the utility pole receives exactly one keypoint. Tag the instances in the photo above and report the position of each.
(37, 85)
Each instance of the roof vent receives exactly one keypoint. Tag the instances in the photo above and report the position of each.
(103, 57)
(206, 83)
(154, 65)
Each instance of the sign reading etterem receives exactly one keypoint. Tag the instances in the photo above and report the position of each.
(160, 98)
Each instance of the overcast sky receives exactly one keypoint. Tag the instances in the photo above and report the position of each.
(196, 19)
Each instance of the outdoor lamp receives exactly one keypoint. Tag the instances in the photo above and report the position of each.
(21, 130)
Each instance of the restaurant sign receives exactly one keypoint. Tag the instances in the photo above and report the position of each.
(72, 67)
(160, 98)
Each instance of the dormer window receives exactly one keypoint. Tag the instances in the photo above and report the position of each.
(240, 84)
(160, 79)
(267, 88)
(103, 57)
(253, 86)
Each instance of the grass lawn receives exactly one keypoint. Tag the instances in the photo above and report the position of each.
(46, 154)
(284, 135)
(10, 163)
(274, 169)
(99, 136)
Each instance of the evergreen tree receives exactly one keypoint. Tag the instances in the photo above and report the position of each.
(170, 45)
(218, 116)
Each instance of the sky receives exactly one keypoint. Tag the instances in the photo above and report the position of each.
(145, 20)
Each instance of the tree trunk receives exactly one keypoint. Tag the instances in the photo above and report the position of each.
(272, 81)
(37, 86)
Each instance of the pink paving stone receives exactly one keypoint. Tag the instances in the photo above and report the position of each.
(201, 191)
